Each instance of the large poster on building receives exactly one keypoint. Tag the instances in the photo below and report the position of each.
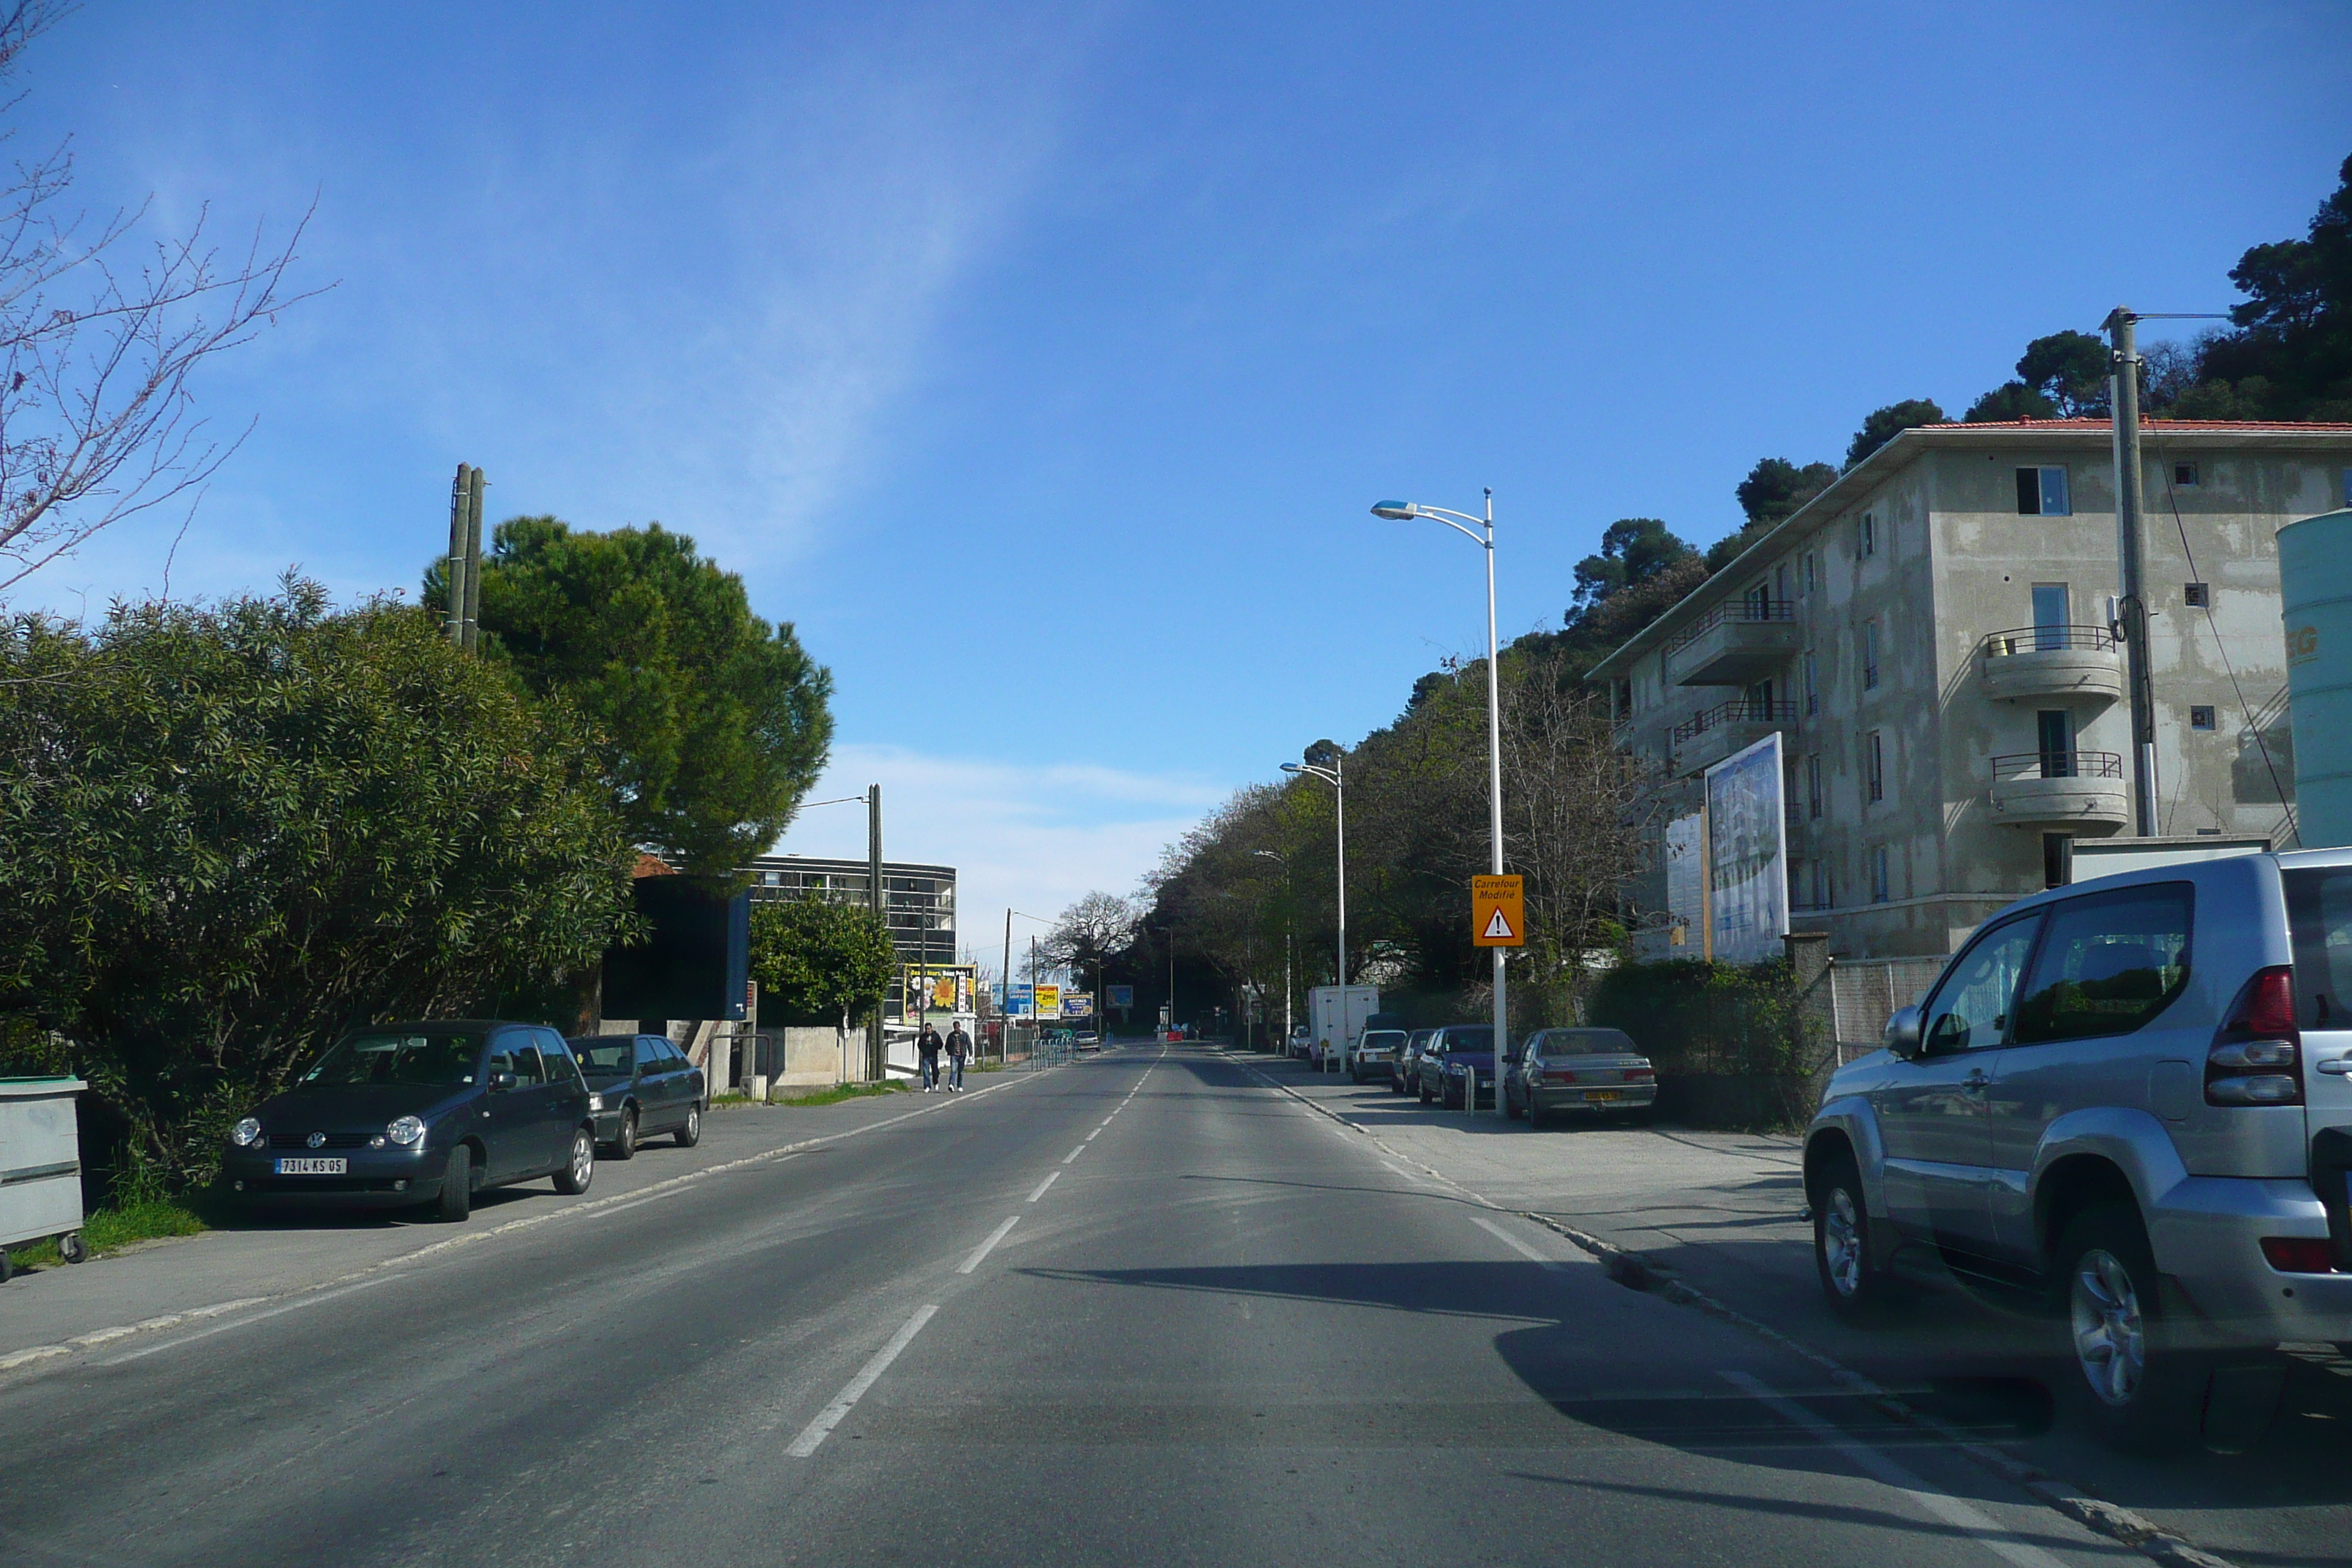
(938, 989)
(1748, 854)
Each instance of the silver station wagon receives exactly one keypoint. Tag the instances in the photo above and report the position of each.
(2133, 1094)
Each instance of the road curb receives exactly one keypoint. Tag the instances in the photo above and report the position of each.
(1640, 1272)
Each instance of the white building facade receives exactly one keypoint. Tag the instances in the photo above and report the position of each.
(1930, 637)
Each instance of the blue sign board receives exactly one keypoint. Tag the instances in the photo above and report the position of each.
(1121, 995)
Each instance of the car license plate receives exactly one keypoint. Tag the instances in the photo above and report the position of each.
(1593, 1095)
(311, 1167)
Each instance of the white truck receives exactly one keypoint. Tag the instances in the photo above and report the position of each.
(1336, 1015)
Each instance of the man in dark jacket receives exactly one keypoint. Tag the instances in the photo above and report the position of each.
(927, 1045)
(959, 1048)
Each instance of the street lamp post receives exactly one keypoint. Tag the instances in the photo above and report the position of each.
(1481, 531)
(1336, 776)
(877, 1052)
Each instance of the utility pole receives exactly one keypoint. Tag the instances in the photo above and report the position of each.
(1004, 1027)
(453, 618)
(473, 627)
(878, 1066)
(2131, 610)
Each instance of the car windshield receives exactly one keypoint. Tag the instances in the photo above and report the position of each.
(1576, 1042)
(1474, 1039)
(1381, 1040)
(398, 1057)
(608, 1057)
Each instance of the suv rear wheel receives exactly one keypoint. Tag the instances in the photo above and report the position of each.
(2129, 1385)
(1852, 1281)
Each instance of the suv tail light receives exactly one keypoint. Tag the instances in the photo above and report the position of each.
(2299, 1254)
(1640, 1075)
(1559, 1075)
(2256, 1056)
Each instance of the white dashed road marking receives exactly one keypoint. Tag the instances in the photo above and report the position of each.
(816, 1431)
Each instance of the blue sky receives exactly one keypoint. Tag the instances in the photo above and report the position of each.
(1040, 361)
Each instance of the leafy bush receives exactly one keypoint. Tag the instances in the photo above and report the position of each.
(818, 961)
(229, 833)
(1691, 1015)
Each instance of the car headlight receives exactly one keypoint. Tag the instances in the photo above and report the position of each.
(595, 1102)
(408, 1131)
(245, 1133)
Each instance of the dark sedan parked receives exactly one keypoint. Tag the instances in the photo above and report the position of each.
(640, 1085)
(1408, 1065)
(397, 1115)
(1452, 1055)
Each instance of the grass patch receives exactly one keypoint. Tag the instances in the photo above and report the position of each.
(112, 1229)
(842, 1091)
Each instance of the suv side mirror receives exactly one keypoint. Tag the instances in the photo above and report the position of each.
(502, 1081)
(1902, 1037)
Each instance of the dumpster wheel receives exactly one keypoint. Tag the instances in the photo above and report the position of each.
(72, 1247)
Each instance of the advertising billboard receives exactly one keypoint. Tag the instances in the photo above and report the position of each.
(1049, 1001)
(1747, 855)
(938, 989)
(1121, 995)
(1686, 883)
(1078, 1004)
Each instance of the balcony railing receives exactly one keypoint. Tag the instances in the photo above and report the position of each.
(2057, 766)
(1733, 610)
(2049, 639)
(1738, 710)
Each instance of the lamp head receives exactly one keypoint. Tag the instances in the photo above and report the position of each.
(1395, 511)
(1292, 768)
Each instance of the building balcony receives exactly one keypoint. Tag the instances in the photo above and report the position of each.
(1739, 641)
(2083, 791)
(1711, 734)
(2080, 664)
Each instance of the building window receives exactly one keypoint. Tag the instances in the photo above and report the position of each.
(1870, 534)
(1878, 893)
(2184, 476)
(1814, 787)
(1781, 581)
(2200, 718)
(2041, 492)
(1809, 571)
(1821, 899)
(2197, 596)
(1869, 655)
(1874, 761)
(1812, 686)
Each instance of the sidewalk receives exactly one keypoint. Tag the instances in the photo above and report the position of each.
(276, 1255)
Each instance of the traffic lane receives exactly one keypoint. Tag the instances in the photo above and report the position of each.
(1987, 1358)
(266, 1253)
(1237, 1338)
(339, 1428)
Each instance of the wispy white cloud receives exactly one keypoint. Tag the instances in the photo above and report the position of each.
(1033, 839)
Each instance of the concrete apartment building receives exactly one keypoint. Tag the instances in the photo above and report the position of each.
(1929, 636)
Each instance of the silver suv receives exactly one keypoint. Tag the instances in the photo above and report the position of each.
(2136, 1095)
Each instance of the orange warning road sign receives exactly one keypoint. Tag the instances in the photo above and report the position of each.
(1498, 911)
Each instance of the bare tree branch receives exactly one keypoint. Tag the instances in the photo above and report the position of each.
(96, 413)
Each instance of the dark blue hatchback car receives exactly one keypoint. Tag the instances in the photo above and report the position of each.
(420, 1113)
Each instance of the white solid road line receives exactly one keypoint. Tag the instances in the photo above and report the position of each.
(1050, 1179)
(1990, 1532)
(1074, 1153)
(985, 1248)
(1515, 1244)
(247, 1322)
(816, 1431)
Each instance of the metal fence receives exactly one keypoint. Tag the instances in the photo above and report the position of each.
(1865, 991)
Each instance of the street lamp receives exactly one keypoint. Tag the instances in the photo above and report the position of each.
(1404, 511)
(877, 1065)
(1336, 776)
(1283, 862)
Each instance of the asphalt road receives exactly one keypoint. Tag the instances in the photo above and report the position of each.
(1141, 1310)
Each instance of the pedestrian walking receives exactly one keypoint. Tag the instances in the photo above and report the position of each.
(958, 1046)
(927, 1045)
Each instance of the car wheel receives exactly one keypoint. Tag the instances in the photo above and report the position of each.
(689, 1131)
(1534, 1114)
(1853, 1283)
(625, 1144)
(72, 1247)
(580, 1168)
(1510, 1108)
(457, 1200)
(2129, 1385)
(1422, 1089)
